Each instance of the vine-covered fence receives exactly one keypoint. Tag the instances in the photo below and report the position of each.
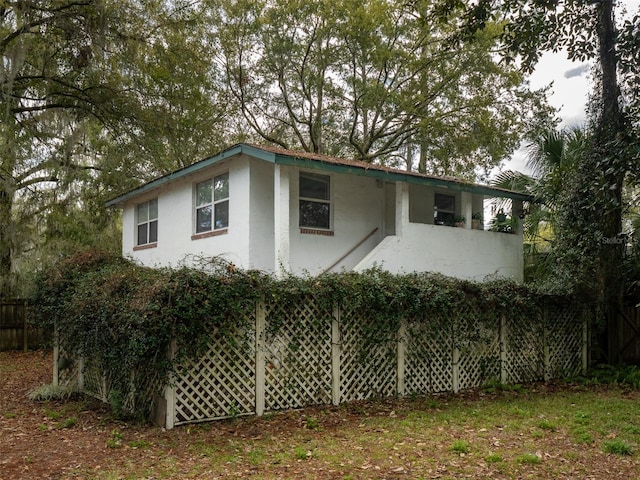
(312, 355)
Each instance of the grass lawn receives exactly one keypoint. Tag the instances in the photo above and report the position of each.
(540, 432)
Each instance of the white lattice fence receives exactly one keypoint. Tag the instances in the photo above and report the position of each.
(479, 354)
(565, 336)
(306, 355)
(428, 366)
(93, 381)
(524, 360)
(297, 358)
(367, 368)
(222, 383)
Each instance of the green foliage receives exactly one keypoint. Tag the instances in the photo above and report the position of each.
(139, 324)
(125, 317)
(68, 423)
(618, 447)
(302, 453)
(51, 392)
(95, 97)
(493, 458)
(624, 375)
(378, 81)
(460, 446)
(528, 459)
(312, 423)
(495, 385)
(115, 440)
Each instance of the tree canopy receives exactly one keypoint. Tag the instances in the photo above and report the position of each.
(90, 105)
(380, 81)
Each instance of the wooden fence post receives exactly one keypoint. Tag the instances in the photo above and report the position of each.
(259, 364)
(455, 369)
(56, 356)
(503, 349)
(336, 348)
(170, 393)
(455, 362)
(402, 353)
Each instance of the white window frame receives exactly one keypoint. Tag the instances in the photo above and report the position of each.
(211, 204)
(325, 201)
(147, 222)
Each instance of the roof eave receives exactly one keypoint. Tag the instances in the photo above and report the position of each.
(393, 176)
(317, 164)
(238, 149)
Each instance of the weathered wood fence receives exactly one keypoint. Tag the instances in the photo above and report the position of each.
(15, 332)
(314, 357)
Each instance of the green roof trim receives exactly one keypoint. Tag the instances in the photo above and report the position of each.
(318, 162)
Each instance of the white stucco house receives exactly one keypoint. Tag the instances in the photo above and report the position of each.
(282, 211)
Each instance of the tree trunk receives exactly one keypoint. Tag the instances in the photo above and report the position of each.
(6, 241)
(611, 123)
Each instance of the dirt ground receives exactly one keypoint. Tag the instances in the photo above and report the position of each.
(35, 443)
(64, 440)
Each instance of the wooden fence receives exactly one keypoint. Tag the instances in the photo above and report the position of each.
(315, 357)
(15, 333)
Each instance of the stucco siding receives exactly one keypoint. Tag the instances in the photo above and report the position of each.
(176, 222)
(373, 222)
(261, 216)
(458, 252)
(357, 209)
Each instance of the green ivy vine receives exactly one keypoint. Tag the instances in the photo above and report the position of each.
(127, 317)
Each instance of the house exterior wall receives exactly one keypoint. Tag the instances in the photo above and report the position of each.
(357, 205)
(458, 252)
(176, 221)
(373, 223)
(261, 216)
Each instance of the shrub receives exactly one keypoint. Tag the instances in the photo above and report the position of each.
(51, 392)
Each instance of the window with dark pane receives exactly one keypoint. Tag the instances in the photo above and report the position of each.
(444, 210)
(147, 217)
(315, 201)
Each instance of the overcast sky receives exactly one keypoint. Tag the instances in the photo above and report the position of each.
(571, 86)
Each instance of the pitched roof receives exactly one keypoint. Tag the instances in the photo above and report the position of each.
(317, 161)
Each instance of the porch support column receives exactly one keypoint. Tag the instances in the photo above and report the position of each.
(281, 221)
(402, 207)
(466, 208)
(516, 210)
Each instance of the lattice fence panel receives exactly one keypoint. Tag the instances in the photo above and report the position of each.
(95, 384)
(297, 356)
(564, 339)
(428, 367)
(478, 340)
(368, 368)
(221, 383)
(525, 350)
